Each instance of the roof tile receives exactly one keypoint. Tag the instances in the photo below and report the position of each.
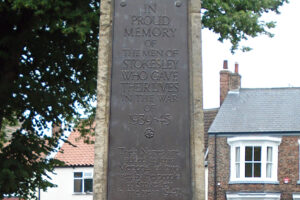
(80, 155)
(259, 110)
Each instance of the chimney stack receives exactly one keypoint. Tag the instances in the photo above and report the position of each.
(236, 68)
(225, 64)
(228, 80)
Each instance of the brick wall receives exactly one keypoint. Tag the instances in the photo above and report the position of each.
(288, 166)
(228, 81)
(209, 117)
(224, 84)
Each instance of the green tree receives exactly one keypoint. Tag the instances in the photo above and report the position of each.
(48, 61)
(237, 20)
(48, 65)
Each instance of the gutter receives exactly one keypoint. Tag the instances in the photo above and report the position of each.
(255, 132)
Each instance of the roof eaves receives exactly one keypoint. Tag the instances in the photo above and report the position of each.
(79, 165)
(254, 132)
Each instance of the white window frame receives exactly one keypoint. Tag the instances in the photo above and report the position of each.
(264, 142)
(296, 196)
(85, 175)
(253, 196)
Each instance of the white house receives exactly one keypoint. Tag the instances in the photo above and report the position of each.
(75, 180)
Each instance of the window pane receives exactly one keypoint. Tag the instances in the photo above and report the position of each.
(257, 153)
(88, 185)
(237, 154)
(77, 185)
(248, 154)
(257, 170)
(77, 174)
(248, 169)
(88, 174)
(269, 170)
(237, 162)
(269, 154)
(237, 170)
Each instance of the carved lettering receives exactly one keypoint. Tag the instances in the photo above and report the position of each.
(150, 8)
(150, 20)
(149, 127)
(150, 64)
(150, 32)
(149, 87)
(149, 169)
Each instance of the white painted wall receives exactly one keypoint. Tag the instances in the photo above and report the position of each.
(64, 179)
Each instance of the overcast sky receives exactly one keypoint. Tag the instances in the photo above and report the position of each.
(273, 62)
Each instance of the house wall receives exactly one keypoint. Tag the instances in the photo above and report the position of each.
(206, 183)
(64, 179)
(288, 167)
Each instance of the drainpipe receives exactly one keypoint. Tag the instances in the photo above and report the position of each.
(215, 171)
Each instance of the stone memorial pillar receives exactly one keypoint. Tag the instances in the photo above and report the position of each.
(149, 122)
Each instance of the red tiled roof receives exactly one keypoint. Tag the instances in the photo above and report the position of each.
(12, 198)
(81, 155)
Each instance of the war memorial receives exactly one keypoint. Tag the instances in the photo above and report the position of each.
(149, 126)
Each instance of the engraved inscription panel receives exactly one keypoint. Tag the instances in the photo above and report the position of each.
(149, 144)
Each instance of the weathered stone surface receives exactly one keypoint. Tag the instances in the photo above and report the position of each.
(197, 122)
(195, 7)
(103, 96)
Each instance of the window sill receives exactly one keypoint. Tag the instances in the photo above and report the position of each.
(253, 195)
(82, 193)
(255, 182)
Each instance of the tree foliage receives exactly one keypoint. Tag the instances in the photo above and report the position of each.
(236, 20)
(48, 65)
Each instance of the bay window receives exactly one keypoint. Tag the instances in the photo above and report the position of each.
(296, 196)
(253, 159)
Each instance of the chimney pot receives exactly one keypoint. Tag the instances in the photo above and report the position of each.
(225, 64)
(229, 81)
(236, 69)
